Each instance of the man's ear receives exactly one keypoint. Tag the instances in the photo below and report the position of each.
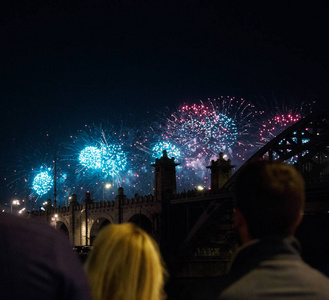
(300, 218)
(239, 219)
(241, 226)
(297, 223)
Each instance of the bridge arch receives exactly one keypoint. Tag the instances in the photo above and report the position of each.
(61, 224)
(305, 144)
(97, 226)
(62, 228)
(142, 221)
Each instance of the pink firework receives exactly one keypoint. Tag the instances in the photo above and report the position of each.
(274, 126)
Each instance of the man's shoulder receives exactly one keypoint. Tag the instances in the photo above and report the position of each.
(29, 238)
(21, 223)
(41, 259)
(279, 279)
(15, 228)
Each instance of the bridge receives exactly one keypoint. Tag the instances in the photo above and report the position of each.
(195, 229)
(210, 236)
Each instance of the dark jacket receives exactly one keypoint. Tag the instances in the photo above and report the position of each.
(272, 268)
(37, 262)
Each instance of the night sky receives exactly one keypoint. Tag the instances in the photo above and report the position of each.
(67, 63)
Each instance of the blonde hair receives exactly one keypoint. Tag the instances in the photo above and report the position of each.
(125, 264)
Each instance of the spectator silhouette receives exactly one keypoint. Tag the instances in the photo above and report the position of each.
(270, 201)
(125, 264)
(37, 262)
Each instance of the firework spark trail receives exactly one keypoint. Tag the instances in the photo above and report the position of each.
(25, 178)
(122, 154)
(212, 126)
(43, 182)
(121, 162)
(142, 147)
(279, 117)
(276, 125)
(91, 157)
(201, 130)
(172, 150)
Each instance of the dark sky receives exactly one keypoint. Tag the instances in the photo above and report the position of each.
(67, 63)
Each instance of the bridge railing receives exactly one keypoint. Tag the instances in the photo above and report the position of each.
(140, 199)
(126, 201)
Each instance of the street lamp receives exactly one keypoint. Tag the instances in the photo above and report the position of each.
(106, 186)
(200, 188)
(54, 219)
(22, 210)
(14, 203)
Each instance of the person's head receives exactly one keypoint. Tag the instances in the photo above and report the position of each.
(125, 264)
(270, 199)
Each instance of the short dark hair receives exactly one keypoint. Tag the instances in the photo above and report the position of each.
(271, 196)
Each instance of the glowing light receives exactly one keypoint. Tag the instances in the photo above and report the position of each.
(211, 126)
(277, 120)
(172, 150)
(278, 116)
(200, 126)
(108, 158)
(16, 202)
(119, 162)
(113, 159)
(42, 183)
(201, 131)
(275, 125)
(122, 153)
(91, 157)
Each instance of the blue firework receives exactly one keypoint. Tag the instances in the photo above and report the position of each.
(113, 159)
(121, 154)
(204, 129)
(30, 159)
(91, 157)
(172, 150)
(43, 182)
(223, 132)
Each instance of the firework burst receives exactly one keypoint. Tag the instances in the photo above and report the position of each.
(172, 150)
(275, 125)
(108, 154)
(31, 174)
(202, 130)
(122, 154)
(43, 182)
(212, 126)
(279, 117)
